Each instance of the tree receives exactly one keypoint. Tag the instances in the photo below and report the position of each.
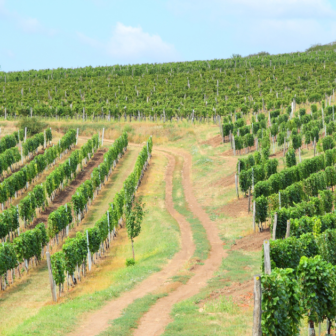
(34, 125)
(133, 221)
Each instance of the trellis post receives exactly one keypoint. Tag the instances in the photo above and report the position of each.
(267, 258)
(288, 228)
(88, 247)
(51, 278)
(275, 222)
(256, 331)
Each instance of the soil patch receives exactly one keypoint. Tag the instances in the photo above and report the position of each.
(236, 208)
(253, 242)
(214, 142)
(225, 181)
(241, 293)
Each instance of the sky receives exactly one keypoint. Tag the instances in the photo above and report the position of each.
(39, 34)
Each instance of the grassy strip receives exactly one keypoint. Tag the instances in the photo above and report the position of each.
(124, 325)
(199, 234)
(157, 242)
(205, 315)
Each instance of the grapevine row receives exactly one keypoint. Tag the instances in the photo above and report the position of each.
(28, 244)
(78, 251)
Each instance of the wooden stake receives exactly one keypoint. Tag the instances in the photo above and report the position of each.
(236, 181)
(275, 225)
(89, 252)
(256, 331)
(254, 215)
(267, 258)
(288, 228)
(51, 279)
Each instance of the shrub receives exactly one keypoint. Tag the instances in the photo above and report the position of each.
(130, 262)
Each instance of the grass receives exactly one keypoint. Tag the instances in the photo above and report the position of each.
(199, 234)
(124, 325)
(211, 312)
(157, 242)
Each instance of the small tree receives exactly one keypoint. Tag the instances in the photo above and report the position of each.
(133, 221)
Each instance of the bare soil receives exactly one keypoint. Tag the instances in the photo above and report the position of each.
(214, 142)
(253, 242)
(237, 208)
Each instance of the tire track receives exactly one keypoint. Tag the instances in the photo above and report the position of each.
(153, 323)
(99, 321)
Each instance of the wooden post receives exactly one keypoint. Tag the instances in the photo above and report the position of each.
(254, 215)
(275, 225)
(77, 136)
(267, 258)
(252, 180)
(25, 138)
(236, 180)
(51, 279)
(288, 228)
(108, 223)
(234, 145)
(249, 200)
(279, 200)
(221, 131)
(102, 142)
(256, 331)
(89, 252)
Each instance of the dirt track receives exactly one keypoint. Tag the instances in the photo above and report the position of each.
(99, 321)
(157, 318)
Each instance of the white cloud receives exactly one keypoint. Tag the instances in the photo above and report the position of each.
(271, 25)
(132, 44)
(26, 24)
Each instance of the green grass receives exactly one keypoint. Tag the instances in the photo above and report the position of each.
(157, 242)
(199, 234)
(204, 315)
(124, 325)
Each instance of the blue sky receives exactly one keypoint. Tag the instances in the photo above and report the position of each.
(36, 34)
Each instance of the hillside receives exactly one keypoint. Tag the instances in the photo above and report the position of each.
(208, 88)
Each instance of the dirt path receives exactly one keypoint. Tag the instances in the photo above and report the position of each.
(157, 318)
(99, 321)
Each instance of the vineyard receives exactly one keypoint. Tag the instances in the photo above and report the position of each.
(191, 198)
